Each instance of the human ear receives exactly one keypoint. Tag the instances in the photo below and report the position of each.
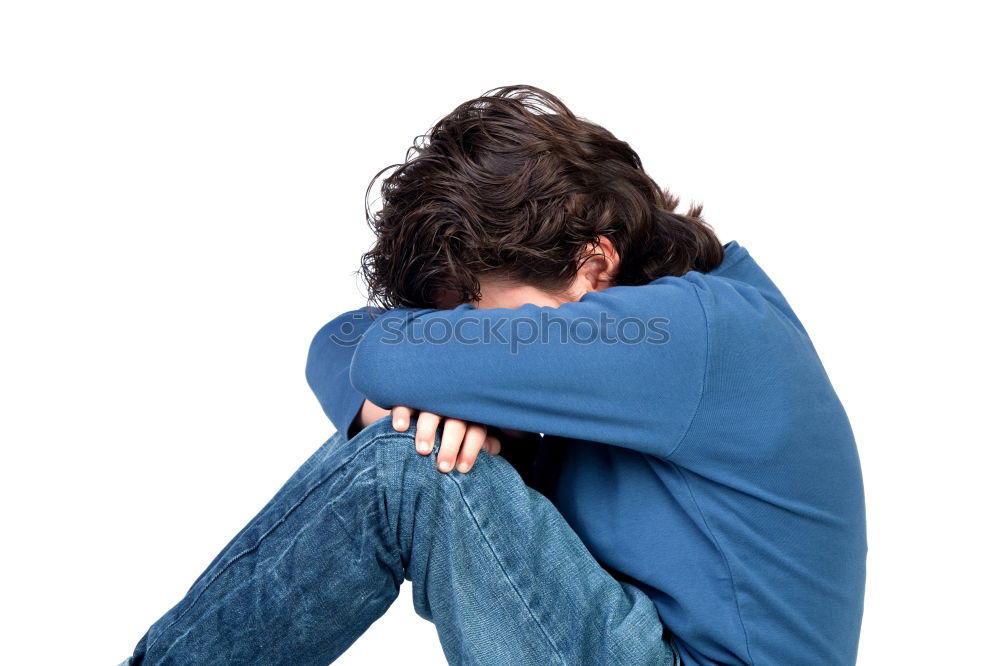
(600, 267)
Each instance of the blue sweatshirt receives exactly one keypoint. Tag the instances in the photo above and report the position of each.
(692, 439)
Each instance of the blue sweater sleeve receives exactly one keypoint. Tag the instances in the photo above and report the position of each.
(329, 362)
(624, 366)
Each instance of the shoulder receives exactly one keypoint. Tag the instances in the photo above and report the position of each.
(736, 309)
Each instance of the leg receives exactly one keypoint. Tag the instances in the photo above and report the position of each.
(493, 565)
(299, 583)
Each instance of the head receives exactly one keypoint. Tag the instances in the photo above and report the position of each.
(511, 199)
(596, 272)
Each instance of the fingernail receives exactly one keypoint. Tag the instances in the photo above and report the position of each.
(463, 467)
(400, 423)
(444, 466)
(423, 447)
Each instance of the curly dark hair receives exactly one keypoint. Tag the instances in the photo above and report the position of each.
(514, 185)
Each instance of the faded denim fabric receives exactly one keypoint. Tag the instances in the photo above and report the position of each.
(493, 563)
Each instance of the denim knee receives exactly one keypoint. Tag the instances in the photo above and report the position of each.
(397, 447)
(397, 451)
(383, 429)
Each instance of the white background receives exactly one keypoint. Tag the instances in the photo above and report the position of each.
(182, 188)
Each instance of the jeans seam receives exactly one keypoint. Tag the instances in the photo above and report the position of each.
(510, 580)
(260, 540)
(482, 533)
(390, 537)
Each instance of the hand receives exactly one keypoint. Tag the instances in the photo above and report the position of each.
(458, 434)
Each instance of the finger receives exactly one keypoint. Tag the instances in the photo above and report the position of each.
(492, 445)
(427, 425)
(451, 440)
(401, 417)
(475, 437)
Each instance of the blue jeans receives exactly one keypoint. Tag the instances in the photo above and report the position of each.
(494, 566)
